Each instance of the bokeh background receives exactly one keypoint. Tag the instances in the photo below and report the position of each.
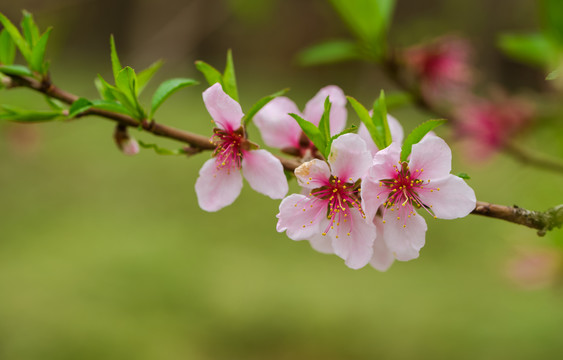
(104, 256)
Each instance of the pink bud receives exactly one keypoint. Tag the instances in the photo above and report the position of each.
(127, 144)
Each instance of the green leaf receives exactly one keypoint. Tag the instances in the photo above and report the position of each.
(329, 52)
(111, 106)
(38, 53)
(7, 48)
(103, 90)
(18, 39)
(211, 74)
(144, 76)
(18, 70)
(54, 103)
(22, 115)
(30, 29)
(260, 104)
(416, 135)
(78, 107)
(363, 114)
(117, 95)
(379, 118)
(324, 123)
(534, 49)
(127, 83)
(463, 176)
(166, 89)
(115, 64)
(229, 79)
(312, 132)
(161, 151)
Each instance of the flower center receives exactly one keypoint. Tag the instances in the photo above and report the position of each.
(403, 192)
(342, 198)
(228, 152)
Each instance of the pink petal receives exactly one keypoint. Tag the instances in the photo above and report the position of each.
(383, 161)
(225, 111)
(370, 201)
(338, 113)
(455, 198)
(396, 134)
(322, 244)
(217, 188)
(313, 174)
(349, 158)
(432, 155)
(278, 129)
(382, 257)
(404, 242)
(357, 248)
(298, 219)
(264, 173)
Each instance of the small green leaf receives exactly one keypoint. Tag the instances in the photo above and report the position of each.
(329, 52)
(260, 104)
(161, 151)
(126, 83)
(30, 29)
(313, 133)
(144, 76)
(18, 39)
(103, 90)
(18, 70)
(463, 176)
(111, 106)
(416, 135)
(229, 79)
(379, 118)
(38, 53)
(324, 123)
(22, 115)
(211, 74)
(115, 64)
(78, 107)
(54, 103)
(7, 48)
(118, 95)
(363, 114)
(166, 89)
(534, 49)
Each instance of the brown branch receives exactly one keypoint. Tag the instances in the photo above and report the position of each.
(541, 221)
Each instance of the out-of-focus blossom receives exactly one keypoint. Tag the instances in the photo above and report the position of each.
(397, 189)
(125, 143)
(533, 269)
(331, 216)
(281, 131)
(220, 179)
(442, 66)
(489, 125)
(22, 139)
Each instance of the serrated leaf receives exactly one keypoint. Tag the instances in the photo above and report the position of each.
(379, 118)
(364, 116)
(324, 123)
(463, 176)
(313, 133)
(22, 115)
(260, 104)
(18, 70)
(115, 64)
(534, 49)
(126, 83)
(111, 106)
(416, 135)
(229, 79)
(161, 151)
(118, 95)
(7, 48)
(30, 29)
(329, 52)
(166, 89)
(78, 107)
(18, 39)
(146, 75)
(211, 74)
(38, 53)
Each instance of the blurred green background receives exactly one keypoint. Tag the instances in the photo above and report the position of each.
(104, 256)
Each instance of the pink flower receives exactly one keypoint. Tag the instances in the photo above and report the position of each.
(331, 216)
(279, 130)
(441, 66)
(397, 190)
(220, 180)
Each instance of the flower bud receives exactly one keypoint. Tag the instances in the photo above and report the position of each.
(124, 142)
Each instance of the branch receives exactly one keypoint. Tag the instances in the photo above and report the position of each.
(541, 221)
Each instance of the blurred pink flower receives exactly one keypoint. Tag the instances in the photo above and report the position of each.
(490, 125)
(534, 268)
(22, 139)
(220, 180)
(281, 131)
(331, 216)
(441, 66)
(397, 189)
